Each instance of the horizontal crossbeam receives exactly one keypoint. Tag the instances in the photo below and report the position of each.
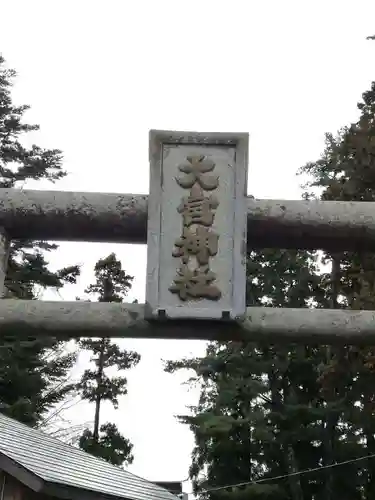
(71, 216)
(67, 320)
(122, 218)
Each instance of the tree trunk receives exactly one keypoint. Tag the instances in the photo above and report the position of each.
(281, 397)
(98, 393)
(294, 478)
(332, 417)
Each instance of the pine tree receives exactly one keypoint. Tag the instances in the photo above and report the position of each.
(273, 411)
(111, 285)
(255, 418)
(31, 371)
(346, 171)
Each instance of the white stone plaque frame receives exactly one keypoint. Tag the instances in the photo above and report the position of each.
(229, 152)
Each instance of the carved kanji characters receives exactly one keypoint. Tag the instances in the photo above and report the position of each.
(203, 244)
(195, 284)
(199, 241)
(197, 208)
(195, 170)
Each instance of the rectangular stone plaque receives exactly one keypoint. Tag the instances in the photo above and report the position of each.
(197, 215)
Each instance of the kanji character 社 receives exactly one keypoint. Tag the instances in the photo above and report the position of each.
(195, 284)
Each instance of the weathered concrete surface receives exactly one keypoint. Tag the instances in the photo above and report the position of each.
(301, 224)
(122, 218)
(70, 216)
(197, 199)
(76, 319)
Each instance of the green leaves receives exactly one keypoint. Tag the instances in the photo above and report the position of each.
(111, 445)
(269, 411)
(33, 373)
(111, 285)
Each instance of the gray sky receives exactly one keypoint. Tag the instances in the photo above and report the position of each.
(99, 75)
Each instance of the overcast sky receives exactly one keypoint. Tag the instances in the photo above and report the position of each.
(99, 75)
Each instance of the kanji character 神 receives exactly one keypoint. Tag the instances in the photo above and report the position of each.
(195, 284)
(197, 208)
(195, 168)
(203, 243)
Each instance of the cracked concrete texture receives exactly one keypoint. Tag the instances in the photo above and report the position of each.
(122, 218)
(67, 320)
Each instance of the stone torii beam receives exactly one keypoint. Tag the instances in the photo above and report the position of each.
(122, 218)
(67, 320)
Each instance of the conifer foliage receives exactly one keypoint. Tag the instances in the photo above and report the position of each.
(97, 386)
(32, 372)
(268, 413)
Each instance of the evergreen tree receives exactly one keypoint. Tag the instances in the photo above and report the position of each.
(346, 172)
(111, 285)
(32, 371)
(255, 417)
(269, 411)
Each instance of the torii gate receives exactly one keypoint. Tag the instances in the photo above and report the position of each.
(196, 222)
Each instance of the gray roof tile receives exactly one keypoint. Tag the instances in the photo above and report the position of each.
(57, 462)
